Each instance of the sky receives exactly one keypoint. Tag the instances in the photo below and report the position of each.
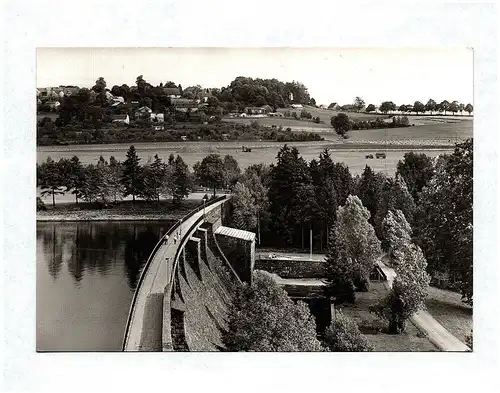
(401, 75)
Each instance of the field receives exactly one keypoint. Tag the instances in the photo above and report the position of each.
(448, 309)
(369, 324)
(427, 130)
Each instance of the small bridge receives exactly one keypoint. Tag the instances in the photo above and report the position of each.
(145, 330)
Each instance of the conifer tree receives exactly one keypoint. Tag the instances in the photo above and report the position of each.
(132, 179)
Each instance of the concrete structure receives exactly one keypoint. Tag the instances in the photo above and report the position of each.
(181, 299)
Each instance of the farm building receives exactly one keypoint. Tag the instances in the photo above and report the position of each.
(275, 114)
(123, 119)
(296, 106)
(258, 110)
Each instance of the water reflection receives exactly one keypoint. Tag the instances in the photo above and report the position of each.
(97, 247)
(86, 275)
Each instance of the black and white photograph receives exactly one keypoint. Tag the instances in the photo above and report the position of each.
(254, 199)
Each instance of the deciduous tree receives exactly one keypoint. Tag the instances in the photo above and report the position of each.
(444, 224)
(341, 124)
(408, 292)
(343, 335)
(417, 170)
(210, 171)
(50, 179)
(244, 208)
(370, 108)
(263, 318)
(358, 239)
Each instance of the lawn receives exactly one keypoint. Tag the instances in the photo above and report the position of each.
(449, 310)
(370, 325)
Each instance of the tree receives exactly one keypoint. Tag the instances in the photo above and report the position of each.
(325, 182)
(358, 239)
(180, 180)
(469, 108)
(444, 220)
(100, 85)
(443, 106)
(417, 170)
(339, 272)
(394, 196)
(430, 106)
(370, 108)
(263, 318)
(403, 108)
(418, 107)
(343, 335)
(50, 179)
(115, 174)
(369, 189)
(253, 180)
(244, 208)
(74, 177)
(312, 102)
(132, 179)
(154, 177)
(387, 106)
(396, 234)
(341, 124)
(290, 195)
(91, 186)
(453, 107)
(408, 292)
(359, 103)
(210, 172)
(461, 108)
(232, 171)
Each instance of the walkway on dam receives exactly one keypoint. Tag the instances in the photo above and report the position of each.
(145, 322)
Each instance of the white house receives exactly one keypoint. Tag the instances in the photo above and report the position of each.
(160, 117)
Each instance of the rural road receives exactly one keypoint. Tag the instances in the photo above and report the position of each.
(435, 332)
(140, 335)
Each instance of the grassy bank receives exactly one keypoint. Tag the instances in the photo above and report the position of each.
(122, 211)
(374, 329)
(449, 310)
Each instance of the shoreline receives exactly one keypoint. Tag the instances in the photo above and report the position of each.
(99, 215)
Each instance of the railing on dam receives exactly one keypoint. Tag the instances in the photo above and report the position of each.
(153, 253)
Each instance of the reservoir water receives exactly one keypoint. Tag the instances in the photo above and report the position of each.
(86, 276)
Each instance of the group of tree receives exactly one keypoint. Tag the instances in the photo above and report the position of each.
(444, 218)
(418, 107)
(106, 182)
(263, 318)
(244, 91)
(433, 197)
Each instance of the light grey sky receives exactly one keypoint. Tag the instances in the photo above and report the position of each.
(331, 74)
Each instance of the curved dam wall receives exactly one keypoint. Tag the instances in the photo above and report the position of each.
(206, 286)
